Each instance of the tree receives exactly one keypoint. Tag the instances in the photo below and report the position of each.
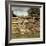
(34, 12)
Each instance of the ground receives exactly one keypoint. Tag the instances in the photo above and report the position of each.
(25, 27)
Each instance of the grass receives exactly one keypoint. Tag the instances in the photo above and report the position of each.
(26, 35)
(30, 25)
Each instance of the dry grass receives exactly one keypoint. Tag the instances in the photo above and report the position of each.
(25, 27)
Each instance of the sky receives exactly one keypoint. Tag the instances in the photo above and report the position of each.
(20, 11)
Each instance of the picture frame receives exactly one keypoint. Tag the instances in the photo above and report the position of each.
(18, 9)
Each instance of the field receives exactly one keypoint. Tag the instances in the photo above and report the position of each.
(25, 27)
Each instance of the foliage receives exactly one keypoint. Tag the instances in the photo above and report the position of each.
(34, 11)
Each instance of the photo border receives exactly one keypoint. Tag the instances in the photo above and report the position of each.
(6, 35)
